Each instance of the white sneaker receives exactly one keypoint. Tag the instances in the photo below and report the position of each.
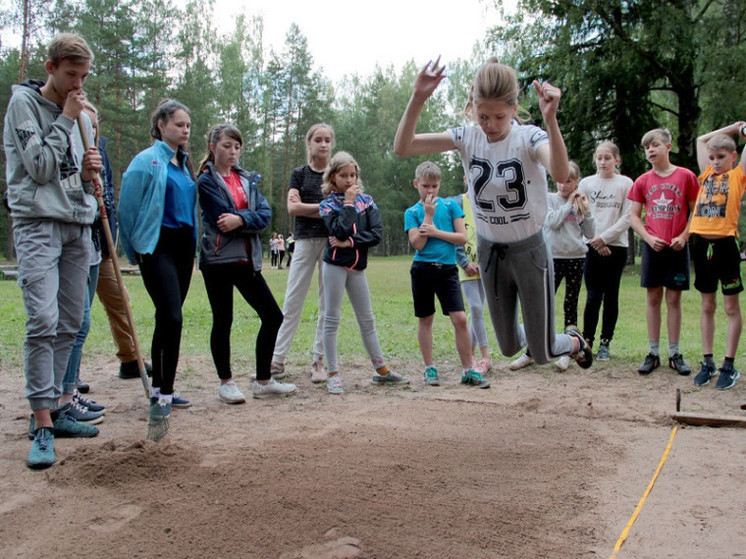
(523, 361)
(317, 371)
(230, 394)
(273, 388)
(335, 385)
(563, 362)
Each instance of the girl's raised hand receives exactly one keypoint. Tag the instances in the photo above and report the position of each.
(549, 97)
(428, 79)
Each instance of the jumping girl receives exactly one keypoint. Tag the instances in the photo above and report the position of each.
(505, 163)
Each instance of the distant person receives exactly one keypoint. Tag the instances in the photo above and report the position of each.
(158, 226)
(234, 213)
(435, 226)
(273, 251)
(668, 194)
(280, 251)
(354, 226)
(506, 164)
(714, 243)
(290, 242)
(471, 284)
(607, 192)
(52, 204)
(304, 197)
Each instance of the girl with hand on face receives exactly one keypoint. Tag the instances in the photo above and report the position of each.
(354, 225)
(234, 214)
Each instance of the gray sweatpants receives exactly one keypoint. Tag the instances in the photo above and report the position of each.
(522, 271)
(337, 280)
(53, 262)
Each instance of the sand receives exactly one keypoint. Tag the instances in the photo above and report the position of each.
(542, 464)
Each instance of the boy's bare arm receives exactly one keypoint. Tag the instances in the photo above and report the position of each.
(416, 239)
(457, 237)
(702, 156)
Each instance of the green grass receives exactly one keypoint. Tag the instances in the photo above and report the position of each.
(392, 304)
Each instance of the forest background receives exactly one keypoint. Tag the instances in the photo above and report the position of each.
(624, 67)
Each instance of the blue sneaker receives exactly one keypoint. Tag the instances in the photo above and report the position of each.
(66, 426)
(727, 378)
(178, 401)
(475, 379)
(90, 404)
(41, 454)
(706, 372)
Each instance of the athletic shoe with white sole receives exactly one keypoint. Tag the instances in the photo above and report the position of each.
(584, 355)
(272, 389)
(178, 401)
(335, 384)
(430, 376)
(706, 372)
(84, 415)
(317, 371)
(523, 361)
(563, 362)
(230, 394)
(474, 379)
(727, 378)
(90, 404)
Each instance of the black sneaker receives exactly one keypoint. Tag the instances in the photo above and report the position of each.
(727, 378)
(704, 375)
(676, 362)
(584, 356)
(82, 387)
(651, 363)
(131, 370)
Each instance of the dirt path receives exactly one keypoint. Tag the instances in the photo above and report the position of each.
(541, 465)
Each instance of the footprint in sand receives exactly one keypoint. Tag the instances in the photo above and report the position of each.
(343, 547)
(14, 501)
(119, 517)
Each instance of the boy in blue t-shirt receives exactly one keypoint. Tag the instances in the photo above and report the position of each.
(435, 226)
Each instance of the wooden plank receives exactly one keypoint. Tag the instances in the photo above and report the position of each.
(689, 418)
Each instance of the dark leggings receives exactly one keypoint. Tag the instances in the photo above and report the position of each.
(571, 269)
(603, 274)
(167, 274)
(219, 282)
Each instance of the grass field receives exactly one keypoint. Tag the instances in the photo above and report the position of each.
(397, 326)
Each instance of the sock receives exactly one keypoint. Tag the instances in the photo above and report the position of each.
(673, 349)
(708, 359)
(383, 370)
(654, 347)
(605, 342)
(155, 392)
(466, 371)
(729, 363)
(168, 397)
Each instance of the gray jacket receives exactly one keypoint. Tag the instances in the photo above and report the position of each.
(44, 154)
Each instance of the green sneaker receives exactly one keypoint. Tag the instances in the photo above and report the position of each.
(390, 378)
(65, 425)
(41, 454)
(431, 376)
(475, 379)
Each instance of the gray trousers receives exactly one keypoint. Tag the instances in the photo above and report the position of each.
(474, 292)
(53, 262)
(337, 280)
(522, 271)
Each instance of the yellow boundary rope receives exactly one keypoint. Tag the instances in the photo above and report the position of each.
(628, 527)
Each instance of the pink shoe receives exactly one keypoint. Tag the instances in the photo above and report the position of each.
(483, 366)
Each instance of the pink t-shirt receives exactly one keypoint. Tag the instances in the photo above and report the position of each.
(666, 201)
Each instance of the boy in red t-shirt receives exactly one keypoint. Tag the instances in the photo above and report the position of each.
(668, 194)
(714, 244)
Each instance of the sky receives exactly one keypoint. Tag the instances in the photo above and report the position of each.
(347, 37)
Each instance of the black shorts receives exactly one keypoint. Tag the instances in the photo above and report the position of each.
(716, 260)
(668, 268)
(430, 279)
